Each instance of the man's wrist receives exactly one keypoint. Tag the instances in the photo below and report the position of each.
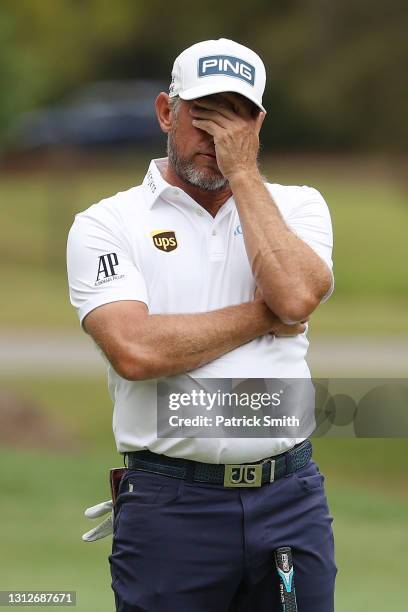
(266, 319)
(243, 176)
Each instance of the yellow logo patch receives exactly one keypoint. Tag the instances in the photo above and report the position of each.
(164, 240)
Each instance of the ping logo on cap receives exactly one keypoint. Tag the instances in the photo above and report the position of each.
(226, 65)
(164, 240)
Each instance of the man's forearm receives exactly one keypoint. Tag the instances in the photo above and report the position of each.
(141, 346)
(174, 344)
(290, 275)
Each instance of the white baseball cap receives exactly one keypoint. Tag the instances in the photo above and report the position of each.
(215, 66)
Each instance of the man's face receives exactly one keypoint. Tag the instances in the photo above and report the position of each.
(191, 151)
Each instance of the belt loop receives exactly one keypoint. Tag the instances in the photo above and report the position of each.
(190, 469)
(272, 472)
(288, 462)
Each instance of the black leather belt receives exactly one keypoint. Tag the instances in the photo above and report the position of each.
(230, 475)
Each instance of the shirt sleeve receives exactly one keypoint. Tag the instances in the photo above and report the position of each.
(100, 265)
(310, 220)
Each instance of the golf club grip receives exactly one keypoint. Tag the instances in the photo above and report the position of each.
(284, 566)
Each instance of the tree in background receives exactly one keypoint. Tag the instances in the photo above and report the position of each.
(337, 75)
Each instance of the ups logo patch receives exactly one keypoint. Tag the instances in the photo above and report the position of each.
(164, 240)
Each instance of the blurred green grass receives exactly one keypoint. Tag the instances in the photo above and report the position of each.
(368, 206)
(43, 498)
(81, 405)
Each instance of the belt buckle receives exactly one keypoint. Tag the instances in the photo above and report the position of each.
(243, 475)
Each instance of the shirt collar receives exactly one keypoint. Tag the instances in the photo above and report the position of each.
(155, 186)
(153, 183)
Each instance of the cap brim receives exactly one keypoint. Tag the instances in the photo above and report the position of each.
(214, 88)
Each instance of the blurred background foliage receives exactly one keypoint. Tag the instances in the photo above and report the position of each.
(337, 70)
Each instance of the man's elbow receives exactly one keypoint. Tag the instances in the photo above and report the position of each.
(137, 365)
(291, 316)
(296, 310)
(296, 303)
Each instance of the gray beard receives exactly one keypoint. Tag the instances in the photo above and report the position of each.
(189, 173)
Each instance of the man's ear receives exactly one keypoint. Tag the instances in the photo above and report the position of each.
(259, 120)
(163, 112)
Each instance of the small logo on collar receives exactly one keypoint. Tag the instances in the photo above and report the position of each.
(164, 240)
(150, 181)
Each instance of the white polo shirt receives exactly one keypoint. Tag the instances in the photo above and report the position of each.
(155, 244)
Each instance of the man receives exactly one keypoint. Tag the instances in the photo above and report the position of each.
(205, 270)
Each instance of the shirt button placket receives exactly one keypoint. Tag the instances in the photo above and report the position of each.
(216, 247)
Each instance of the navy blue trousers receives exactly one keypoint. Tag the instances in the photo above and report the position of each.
(189, 547)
